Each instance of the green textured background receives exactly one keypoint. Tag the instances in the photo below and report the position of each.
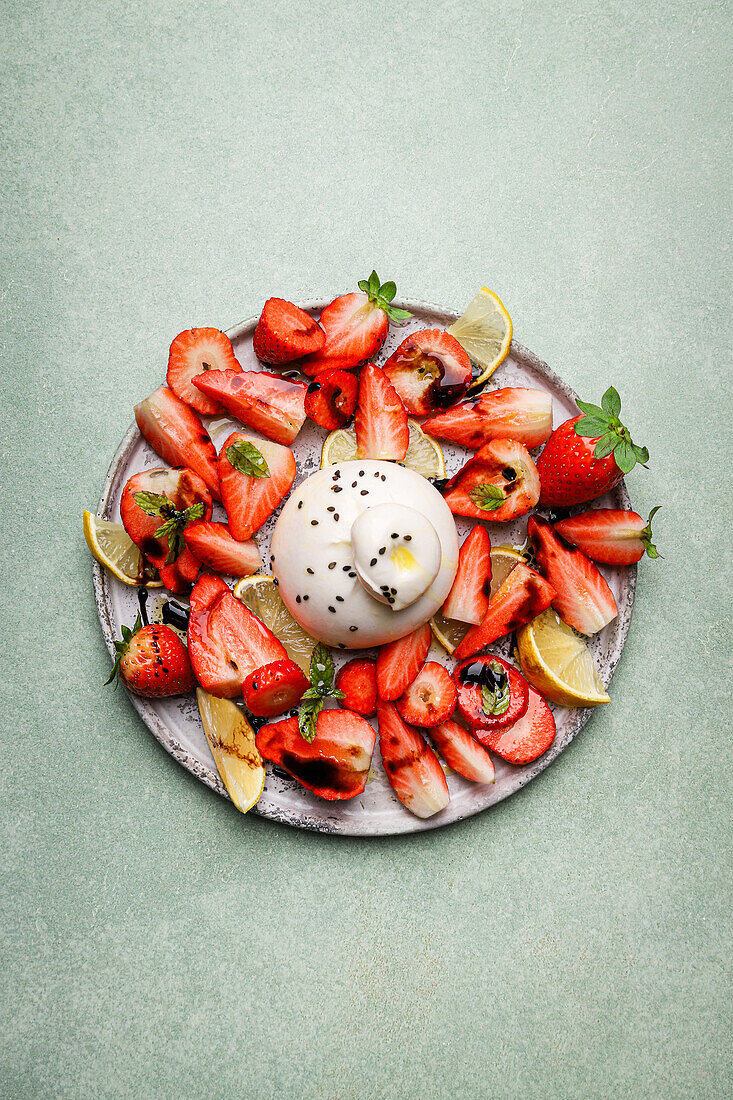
(170, 164)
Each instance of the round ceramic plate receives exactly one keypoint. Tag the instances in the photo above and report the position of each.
(377, 812)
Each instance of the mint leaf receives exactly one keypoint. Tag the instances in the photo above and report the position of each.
(313, 699)
(591, 426)
(611, 402)
(153, 504)
(495, 697)
(486, 496)
(245, 457)
(173, 529)
(308, 717)
(322, 670)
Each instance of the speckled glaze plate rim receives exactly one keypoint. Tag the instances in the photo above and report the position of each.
(299, 819)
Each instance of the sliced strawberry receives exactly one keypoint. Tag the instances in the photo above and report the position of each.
(522, 596)
(193, 351)
(499, 483)
(529, 737)
(430, 698)
(264, 401)
(330, 400)
(335, 765)
(492, 694)
(357, 679)
(412, 767)
(249, 498)
(285, 332)
(468, 598)
(225, 640)
(213, 545)
(582, 596)
(512, 412)
(381, 420)
(184, 490)
(462, 752)
(429, 370)
(398, 663)
(274, 688)
(176, 433)
(610, 535)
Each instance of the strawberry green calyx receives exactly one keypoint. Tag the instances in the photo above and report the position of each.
(121, 649)
(602, 423)
(322, 688)
(175, 522)
(646, 535)
(382, 295)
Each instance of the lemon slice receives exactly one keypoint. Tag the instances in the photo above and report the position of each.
(260, 595)
(484, 329)
(114, 549)
(450, 632)
(232, 743)
(558, 663)
(424, 455)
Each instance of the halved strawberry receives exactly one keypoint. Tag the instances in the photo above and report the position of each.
(225, 640)
(430, 698)
(330, 400)
(357, 679)
(165, 494)
(176, 433)
(582, 596)
(398, 663)
(610, 535)
(522, 596)
(492, 694)
(356, 326)
(335, 765)
(213, 545)
(468, 598)
(512, 412)
(274, 688)
(255, 476)
(264, 401)
(412, 767)
(381, 420)
(462, 752)
(286, 332)
(429, 370)
(499, 483)
(529, 737)
(193, 351)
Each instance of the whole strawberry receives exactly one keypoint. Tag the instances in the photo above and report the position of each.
(152, 661)
(588, 455)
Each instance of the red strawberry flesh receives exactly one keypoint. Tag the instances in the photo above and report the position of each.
(213, 545)
(398, 663)
(502, 467)
(528, 738)
(176, 433)
(250, 500)
(513, 412)
(462, 752)
(523, 595)
(412, 767)
(335, 765)
(582, 597)
(285, 332)
(381, 425)
(267, 402)
(429, 370)
(430, 698)
(357, 679)
(330, 400)
(471, 675)
(193, 351)
(468, 599)
(274, 688)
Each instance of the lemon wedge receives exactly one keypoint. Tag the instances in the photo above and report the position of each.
(450, 632)
(114, 549)
(232, 743)
(260, 595)
(484, 329)
(558, 663)
(424, 454)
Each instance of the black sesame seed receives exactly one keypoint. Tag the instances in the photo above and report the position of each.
(376, 473)
(340, 599)
(346, 568)
(309, 570)
(332, 565)
(332, 610)
(314, 523)
(352, 574)
(341, 645)
(336, 475)
(353, 484)
(297, 599)
(331, 508)
(382, 549)
(306, 597)
(393, 591)
(364, 493)
(335, 488)
(395, 535)
(408, 538)
(275, 581)
(373, 561)
(361, 473)
(336, 516)
(383, 477)
(353, 628)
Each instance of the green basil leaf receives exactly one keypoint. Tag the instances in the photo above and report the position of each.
(611, 402)
(245, 457)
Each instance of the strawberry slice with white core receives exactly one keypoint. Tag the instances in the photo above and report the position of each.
(226, 642)
(582, 597)
(429, 370)
(286, 332)
(255, 476)
(430, 698)
(513, 412)
(193, 351)
(412, 768)
(610, 535)
(468, 599)
(176, 433)
(528, 738)
(462, 752)
(264, 401)
(498, 484)
(213, 545)
(398, 663)
(381, 425)
(335, 765)
(522, 596)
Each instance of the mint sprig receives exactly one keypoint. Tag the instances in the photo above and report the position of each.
(601, 422)
(382, 295)
(175, 522)
(496, 694)
(245, 457)
(322, 674)
(487, 497)
(646, 535)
